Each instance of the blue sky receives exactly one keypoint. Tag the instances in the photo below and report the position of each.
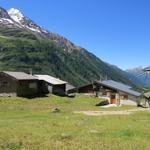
(117, 31)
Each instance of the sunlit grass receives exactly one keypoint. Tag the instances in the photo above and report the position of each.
(30, 124)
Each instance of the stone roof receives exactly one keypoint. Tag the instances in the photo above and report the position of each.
(50, 79)
(19, 75)
(119, 86)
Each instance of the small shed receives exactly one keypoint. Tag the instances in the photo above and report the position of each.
(18, 84)
(52, 84)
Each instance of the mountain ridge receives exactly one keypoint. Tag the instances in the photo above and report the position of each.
(26, 22)
(23, 48)
(139, 74)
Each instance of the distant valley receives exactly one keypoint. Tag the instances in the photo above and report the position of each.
(137, 75)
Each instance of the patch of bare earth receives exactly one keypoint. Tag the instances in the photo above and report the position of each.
(119, 112)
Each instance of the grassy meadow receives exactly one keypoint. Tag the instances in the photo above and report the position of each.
(31, 124)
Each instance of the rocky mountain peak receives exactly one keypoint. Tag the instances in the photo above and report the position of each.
(6, 20)
(23, 21)
(13, 18)
(4, 13)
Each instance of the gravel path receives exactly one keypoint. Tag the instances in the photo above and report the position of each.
(119, 112)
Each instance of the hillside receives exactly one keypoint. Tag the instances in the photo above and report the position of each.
(25, 45)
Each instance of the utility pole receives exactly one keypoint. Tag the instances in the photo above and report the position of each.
(31, 72)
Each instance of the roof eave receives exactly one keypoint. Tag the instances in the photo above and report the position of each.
(116, 89)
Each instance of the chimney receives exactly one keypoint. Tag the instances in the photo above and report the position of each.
(106, 78)
(100, 78)
(30, 71)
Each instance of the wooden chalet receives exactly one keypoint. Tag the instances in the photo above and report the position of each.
(113, 90)
(18, 84)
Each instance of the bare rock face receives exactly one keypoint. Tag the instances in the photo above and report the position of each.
(4, 13)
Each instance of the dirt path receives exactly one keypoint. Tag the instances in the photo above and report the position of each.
(119, 112)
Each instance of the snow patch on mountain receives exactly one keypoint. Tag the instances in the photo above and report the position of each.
(14, 18)
(15, 14)
(33, 29)
(23, 21)
(6, 20)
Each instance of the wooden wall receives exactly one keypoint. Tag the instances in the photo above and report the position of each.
(27, 88)
(8, 87)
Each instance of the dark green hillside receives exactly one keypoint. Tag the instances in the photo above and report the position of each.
(21, 50)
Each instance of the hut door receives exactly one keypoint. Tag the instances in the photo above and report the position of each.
(113, 99)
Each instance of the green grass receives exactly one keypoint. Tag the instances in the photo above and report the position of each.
(30, 124)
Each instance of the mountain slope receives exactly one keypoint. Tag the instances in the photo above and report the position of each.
(139, 74)
(25, 45)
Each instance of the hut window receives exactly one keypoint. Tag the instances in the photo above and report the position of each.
(4, 84)
(50, 88)
(33, 86)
